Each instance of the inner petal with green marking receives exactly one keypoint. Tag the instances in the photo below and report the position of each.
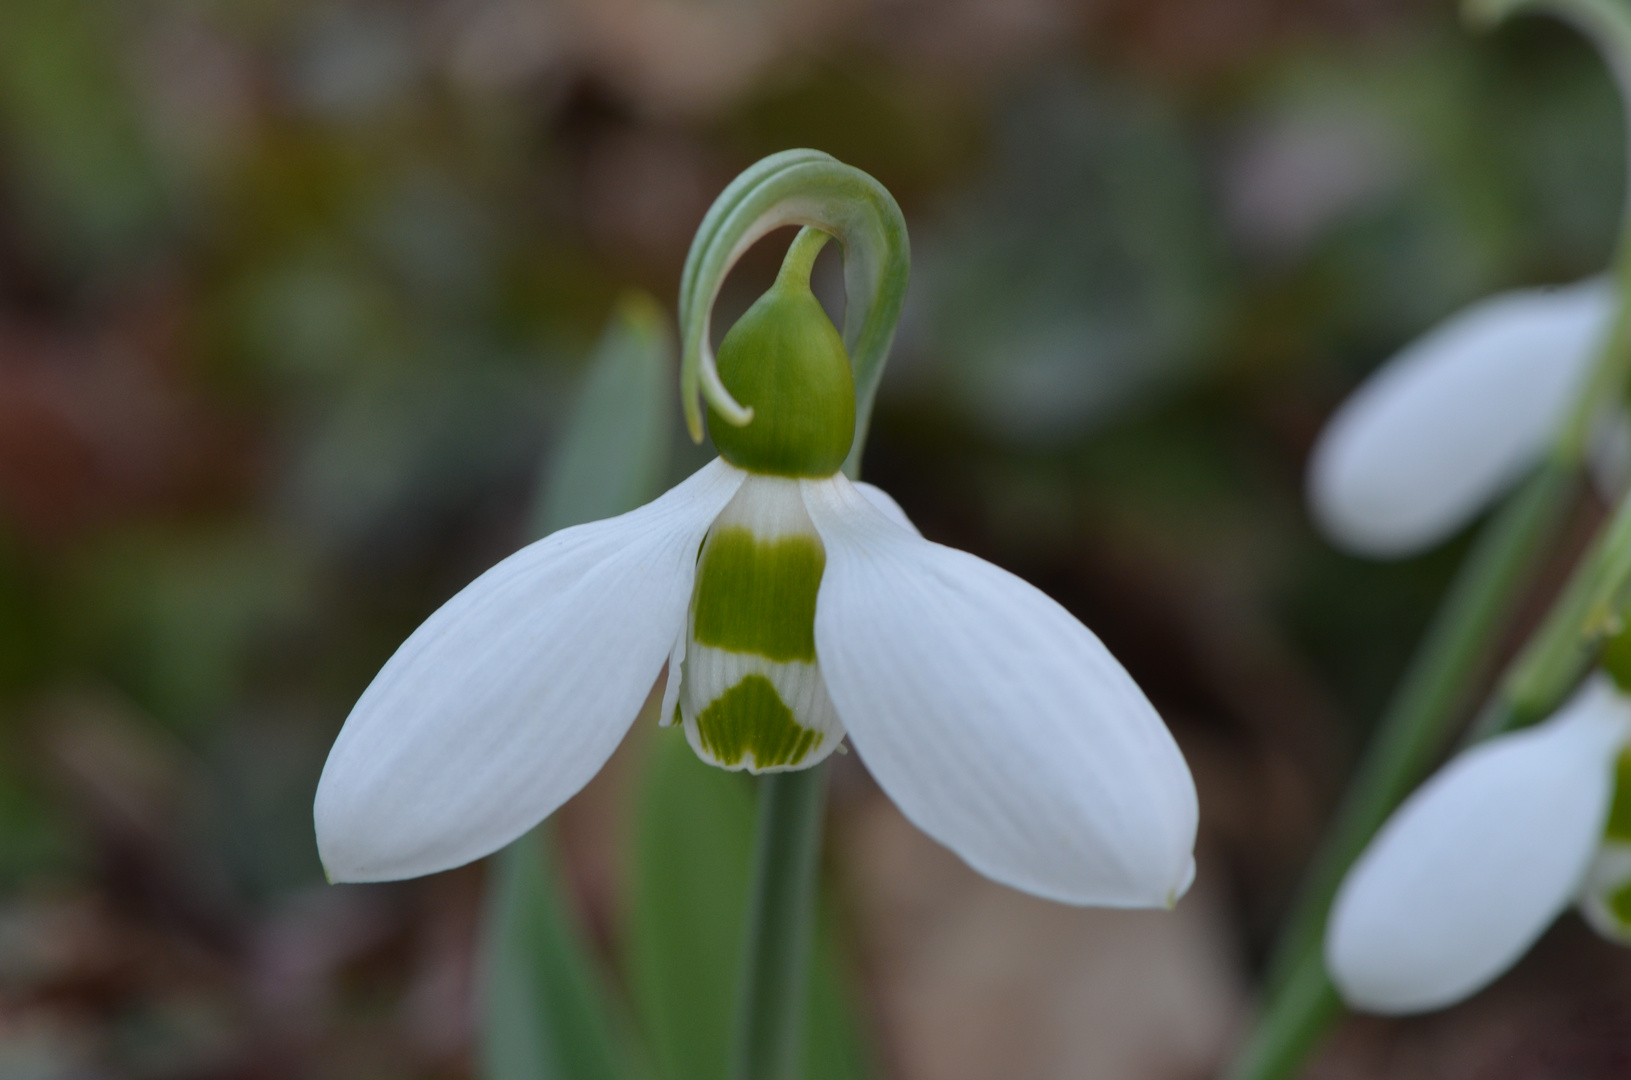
(751, 695)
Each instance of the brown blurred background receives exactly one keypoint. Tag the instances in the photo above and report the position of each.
(294, 297)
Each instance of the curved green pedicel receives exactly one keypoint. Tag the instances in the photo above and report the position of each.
(751, 717)
(783, 360)
(758, 596)
(809, 188)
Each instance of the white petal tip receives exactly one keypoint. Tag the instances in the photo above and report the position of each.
(995, 720)
(1183, 887)
(1440, 430)
(1475, 865)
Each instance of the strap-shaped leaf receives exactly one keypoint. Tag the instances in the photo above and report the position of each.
(550, 1010)
(694, 831)
(798, 187)
(613, 453)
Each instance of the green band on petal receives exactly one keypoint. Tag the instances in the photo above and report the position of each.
(751, 717)
(759, 596)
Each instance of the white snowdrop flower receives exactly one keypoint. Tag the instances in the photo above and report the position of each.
(1479, 861)
(793, 607)
(1457, 417)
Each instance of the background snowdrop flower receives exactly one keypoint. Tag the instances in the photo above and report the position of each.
(1474, 866)
(792, 607)
(1448, 424)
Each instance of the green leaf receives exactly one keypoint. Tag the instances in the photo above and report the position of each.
(615, 452)
(548, 1014)
(693, 853)
(549, 1010)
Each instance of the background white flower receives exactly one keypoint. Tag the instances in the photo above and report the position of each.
(1474, 866)
(1451, 421)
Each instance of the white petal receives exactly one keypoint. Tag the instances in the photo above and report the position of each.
(997, 722)
(1441, 429)
(1478, 862)
(514, 693)
(886, 503)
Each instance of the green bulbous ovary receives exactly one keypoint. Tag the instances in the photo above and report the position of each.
(784, 360)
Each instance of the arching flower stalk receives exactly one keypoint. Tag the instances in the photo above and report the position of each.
(792, 608)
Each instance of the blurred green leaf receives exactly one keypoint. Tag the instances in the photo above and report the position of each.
(549, 1013)
(69, 125)
(693, 852)
(615, 452)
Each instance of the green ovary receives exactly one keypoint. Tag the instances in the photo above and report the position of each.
(784, 360)
(750, 717)
(759, 596)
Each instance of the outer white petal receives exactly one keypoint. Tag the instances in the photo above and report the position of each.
(514, 693)
(997, 722)
(885, 502)
(1443, 427)
(1478, 862)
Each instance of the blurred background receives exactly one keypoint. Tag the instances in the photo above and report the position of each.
(295, 298)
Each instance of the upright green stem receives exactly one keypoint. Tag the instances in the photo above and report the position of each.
(811, 189)
(1459, 646)
(781, 925)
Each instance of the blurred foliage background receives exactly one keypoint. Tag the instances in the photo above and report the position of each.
(296, 298)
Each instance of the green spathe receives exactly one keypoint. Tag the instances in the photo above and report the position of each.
(784, 360)
(759, 596)
(751, 717)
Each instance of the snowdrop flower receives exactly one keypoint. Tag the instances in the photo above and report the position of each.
(1479, 861)
(792, 607)
(1452, 421)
